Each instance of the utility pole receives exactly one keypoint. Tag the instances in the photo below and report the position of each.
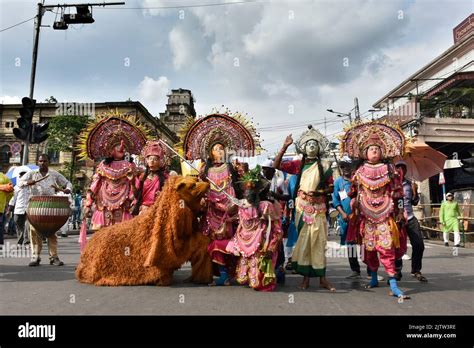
(38, 18)
(41, 10)
(356, 109)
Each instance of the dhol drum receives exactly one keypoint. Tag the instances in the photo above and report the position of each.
(48, 213)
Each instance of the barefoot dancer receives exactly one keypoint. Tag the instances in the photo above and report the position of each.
(315, 182)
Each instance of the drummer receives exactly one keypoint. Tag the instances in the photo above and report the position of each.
(44, 182)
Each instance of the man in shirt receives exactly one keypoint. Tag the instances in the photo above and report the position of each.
(44, 182)
(18, 205)
(342, 203)
(411, 198)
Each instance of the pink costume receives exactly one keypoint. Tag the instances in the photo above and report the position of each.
(217, 224)
(377, 194)
(111, 191)
(379, 188)
(150, 188)
(259, 231)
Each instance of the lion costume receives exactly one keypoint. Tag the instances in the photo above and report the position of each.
(150, 247)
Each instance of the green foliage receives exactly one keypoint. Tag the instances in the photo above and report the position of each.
(175, 165)
(68, 171)
(64, 130)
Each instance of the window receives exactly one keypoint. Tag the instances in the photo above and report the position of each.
(53, 156)
(5, 154)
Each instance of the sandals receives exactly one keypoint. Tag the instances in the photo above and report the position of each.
(420, 277)
(219, 282)
(370, 286)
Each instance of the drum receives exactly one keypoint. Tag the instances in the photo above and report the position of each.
(48, 213)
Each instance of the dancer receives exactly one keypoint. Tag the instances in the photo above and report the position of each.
(149, 184)
(258, 235)
(111, 136)
(315, 182)
(377, 195)
(213, 139)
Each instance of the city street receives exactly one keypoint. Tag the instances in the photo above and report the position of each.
(48, 290)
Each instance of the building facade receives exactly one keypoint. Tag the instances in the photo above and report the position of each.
(11, 147)
(179, 107)
(435, 105)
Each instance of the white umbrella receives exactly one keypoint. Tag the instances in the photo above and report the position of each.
(21, 169)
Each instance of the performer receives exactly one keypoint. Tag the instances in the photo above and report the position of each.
(111, 188)
(148, 185)
(258, 235)
(210, 139)
(315, 182)
(44, 182)
(377, 197)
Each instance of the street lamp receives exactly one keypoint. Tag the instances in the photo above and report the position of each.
(341, 114)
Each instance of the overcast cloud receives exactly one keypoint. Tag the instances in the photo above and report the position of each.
(279, 61)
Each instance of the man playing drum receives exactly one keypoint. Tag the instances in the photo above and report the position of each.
(44, 182)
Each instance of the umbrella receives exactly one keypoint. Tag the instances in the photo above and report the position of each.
(423, 161)
(14, 172)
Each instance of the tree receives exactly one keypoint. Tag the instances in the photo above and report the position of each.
(64, 130)
(63, 135)
(51, 100)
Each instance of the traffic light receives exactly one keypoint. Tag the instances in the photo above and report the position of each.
(83, 15)
(468, 165)
(39, 133)
(25, 120)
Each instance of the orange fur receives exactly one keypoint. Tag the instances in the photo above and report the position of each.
(151, 246)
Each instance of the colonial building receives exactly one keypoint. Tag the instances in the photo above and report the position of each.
(10, 147)
(436, 105)
(180, 105)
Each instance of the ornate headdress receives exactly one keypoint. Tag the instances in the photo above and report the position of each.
(107, 131)
(311, 134)
(359, 137)
(234, 132)
(153, 148)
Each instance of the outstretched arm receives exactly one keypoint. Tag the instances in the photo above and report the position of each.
(279, 156)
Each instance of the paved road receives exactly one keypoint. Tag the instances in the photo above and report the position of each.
(49, 290)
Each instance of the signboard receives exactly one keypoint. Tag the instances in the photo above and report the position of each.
(463, 29)
(441, 179)
(16, 159)
(15, 148)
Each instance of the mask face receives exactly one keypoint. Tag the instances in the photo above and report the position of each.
(374, 154)
(312, 149)
(218, 153)
(153, 162)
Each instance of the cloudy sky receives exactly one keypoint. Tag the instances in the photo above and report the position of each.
(283, 62)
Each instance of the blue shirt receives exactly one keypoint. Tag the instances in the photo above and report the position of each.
(342, 184)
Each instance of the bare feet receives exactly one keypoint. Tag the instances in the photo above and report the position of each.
(324, 283)
(304, 284)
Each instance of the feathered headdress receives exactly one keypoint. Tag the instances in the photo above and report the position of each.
(108, 130)
(235, 132)
(358, 137)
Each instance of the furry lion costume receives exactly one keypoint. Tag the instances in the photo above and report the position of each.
(150, 247)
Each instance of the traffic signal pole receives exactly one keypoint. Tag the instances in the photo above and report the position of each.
(41, 9)
(39, 16)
